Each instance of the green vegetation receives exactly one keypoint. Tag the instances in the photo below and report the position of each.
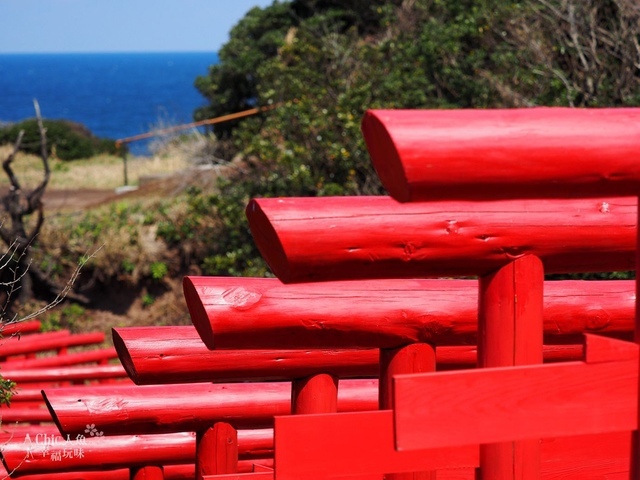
(322, 63)
(68, 140)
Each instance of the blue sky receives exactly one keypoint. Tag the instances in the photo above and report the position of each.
(56, 26)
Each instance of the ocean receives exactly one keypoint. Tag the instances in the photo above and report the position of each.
(115, 95)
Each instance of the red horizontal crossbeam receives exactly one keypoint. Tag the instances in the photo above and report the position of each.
(491, 405)
(14, 328)
(245, 313)
(64, 374)
(191, 407)
(47, 341)
(169, 355)
(353, 238)
(68, 359)
(513, 153)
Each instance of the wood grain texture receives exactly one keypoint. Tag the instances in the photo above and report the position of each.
(250, 313)
(191, 407)
(513, 153)
(353, 238)
(362, 446)
(503, 404)
(510, 330)
(170, 355)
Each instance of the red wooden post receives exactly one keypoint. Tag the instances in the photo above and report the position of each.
(510, 334)
(315, 394)
(147, 473)
(217, 450)
(414, 358)
(635, 439)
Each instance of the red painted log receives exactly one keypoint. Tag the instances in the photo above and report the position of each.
(314, 394)
(363, 445)
(352, 238)
(147, 473)
(20, 328)
(414, 358)
(64, 374)
(17, 413)
(217, 450)
(515, 153)
(98, 453)
(158, 409)
(491, 405)
(241, 313)
(510, 334)
(77, 358)
(40, 446)
(47, 341)
(169, 355)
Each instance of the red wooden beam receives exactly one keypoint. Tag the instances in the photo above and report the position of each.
(504, 404)
(17, 413)
(514, 153)
(47, 341)
(64, 374)
(19, 328)
(353, 238)
(76, 358)
(191, 407)
(98, 453)
(245, 313)
(169, 355)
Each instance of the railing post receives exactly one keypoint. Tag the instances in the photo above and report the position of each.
(314, 394)
(217, 450)
(147, 473)
(413, 358)
(509, 334)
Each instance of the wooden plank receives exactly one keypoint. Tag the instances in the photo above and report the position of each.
(505, 404)
(246, 313)
(504, 153)
(338, 238)
(241, 476)
(358, 444)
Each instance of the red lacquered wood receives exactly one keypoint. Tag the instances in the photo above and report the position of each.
(20, 328)
(47, 341)
(314, 394)
(98, 453)
(76, 358)
(169, 355)
(17, 413)
(242, 476)
(514, 153)
(217, 451)
(240, 313)
(64, 374)
(414, 358)
(147, 473)
(362, 447)
(157, 409)
(334, 238)
(510, 333)
(502, 404)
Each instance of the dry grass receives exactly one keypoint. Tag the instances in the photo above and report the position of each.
(101, 172)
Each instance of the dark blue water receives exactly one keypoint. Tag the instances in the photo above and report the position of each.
(116, 95)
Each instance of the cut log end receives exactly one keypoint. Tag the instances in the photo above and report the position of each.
(124, 355)
(384, 156)
(52, 412)
(198, 313)
(267, 240)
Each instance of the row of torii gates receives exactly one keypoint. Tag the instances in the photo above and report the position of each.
(367, 287)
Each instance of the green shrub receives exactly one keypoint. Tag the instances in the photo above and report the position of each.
(69, 140)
